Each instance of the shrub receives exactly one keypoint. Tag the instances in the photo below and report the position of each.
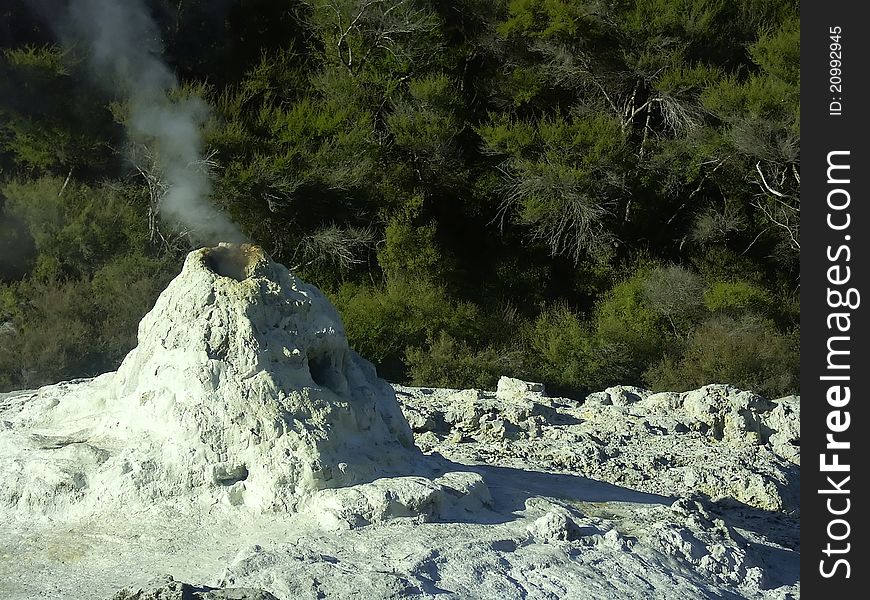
(57, 330)
(92, 277)
(562, 179)
(383, 322)
(424, 126)
(719, 263)
(49, 122)
(76, 228)
(55, 338)
(736, 296)
(123, 291)
(624, 317)
(410, 252)
(447, 362)
(747, 352)
(571, 358)
(675, 293)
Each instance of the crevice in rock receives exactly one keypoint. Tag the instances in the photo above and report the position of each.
(325, 373)
(228, 475)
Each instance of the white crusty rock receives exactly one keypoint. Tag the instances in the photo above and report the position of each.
(618, 395)
(511, 389)
(168, 589)
(785, 423)
(727, 414)
(557, 524)
(242, 390)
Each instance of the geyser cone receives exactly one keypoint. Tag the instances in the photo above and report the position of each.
(242, 389)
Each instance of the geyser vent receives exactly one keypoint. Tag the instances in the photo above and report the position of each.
(236, 261)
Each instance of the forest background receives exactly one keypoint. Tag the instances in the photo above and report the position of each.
(584, 193)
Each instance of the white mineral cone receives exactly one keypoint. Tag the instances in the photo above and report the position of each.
(242, 389)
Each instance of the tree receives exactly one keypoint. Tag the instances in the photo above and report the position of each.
(563, 178)
(761, 126)
(356, 33)
(38, 133)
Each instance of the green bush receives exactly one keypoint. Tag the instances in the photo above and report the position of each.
(410, 252)
(736, 296)
(567, 354)
(562, 178)
(624, 317)
(88, 278)
(51, 123)
(450, 363)
(747, 352)
(55, 337)
(60, 330)
(718, 263)
(675, 293)
(123, 291)
(424, 125)
(383, 322)
(76, 228)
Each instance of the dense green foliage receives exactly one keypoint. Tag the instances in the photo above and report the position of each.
(579, 192)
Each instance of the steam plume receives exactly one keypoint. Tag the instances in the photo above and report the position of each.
(124, 44)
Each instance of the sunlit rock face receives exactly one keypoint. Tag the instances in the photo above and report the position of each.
(242, 389)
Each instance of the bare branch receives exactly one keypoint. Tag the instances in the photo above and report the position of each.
(65, 182)
(343, 247)
(767, 188)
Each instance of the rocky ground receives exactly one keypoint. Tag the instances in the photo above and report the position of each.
(717, 442)
(626, 495)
